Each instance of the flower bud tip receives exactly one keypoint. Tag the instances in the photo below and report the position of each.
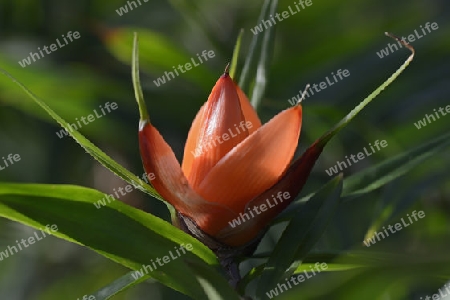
(227, 69)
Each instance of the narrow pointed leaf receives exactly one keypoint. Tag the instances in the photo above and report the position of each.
(324, 139)
(374, 177)
(257, 60)
(214, 285)
(327, 136)
(380, 274)
(235, 58)
(378, 175)
(158, 54)
(90, 148)
(262, 70)
(119, 232)
(119, 285)
(301, 235)
(336, 260)
(383, 210)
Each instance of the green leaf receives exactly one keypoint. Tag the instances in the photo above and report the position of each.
(77, 102)
(382, 211)
(214, 285)
(374, 177)
(121, 284)
(235, 58)
(158, 54)
(143, 113)
(203, 26)
(256, 71)
(379, 276)
(319, 144)
(301, 235)
(389, 208)
(262, 70)
(327, 136)
(328, 257)
(90, 148)
(119, 232)
(378, 175)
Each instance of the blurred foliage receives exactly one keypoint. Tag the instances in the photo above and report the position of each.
(325, 37)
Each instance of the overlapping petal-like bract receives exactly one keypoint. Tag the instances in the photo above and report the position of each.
(231, 162)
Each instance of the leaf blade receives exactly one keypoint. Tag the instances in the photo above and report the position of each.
(88, 146)
(117, 286)
(253, 70)
(214, 285)
(235, 58)
(380, 174)
(286, 251)
(119, 232)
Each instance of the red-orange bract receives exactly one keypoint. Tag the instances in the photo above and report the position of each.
(231, 164)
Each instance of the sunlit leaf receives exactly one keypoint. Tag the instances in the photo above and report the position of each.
(122, 233)
(90, 148)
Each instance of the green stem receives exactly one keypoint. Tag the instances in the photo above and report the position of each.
(327, 136)
(143, 114)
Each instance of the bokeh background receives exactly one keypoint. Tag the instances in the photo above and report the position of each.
(95, 69)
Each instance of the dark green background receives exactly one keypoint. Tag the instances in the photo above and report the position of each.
(327, 36)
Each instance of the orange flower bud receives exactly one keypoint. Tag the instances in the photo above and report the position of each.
(232, 166)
